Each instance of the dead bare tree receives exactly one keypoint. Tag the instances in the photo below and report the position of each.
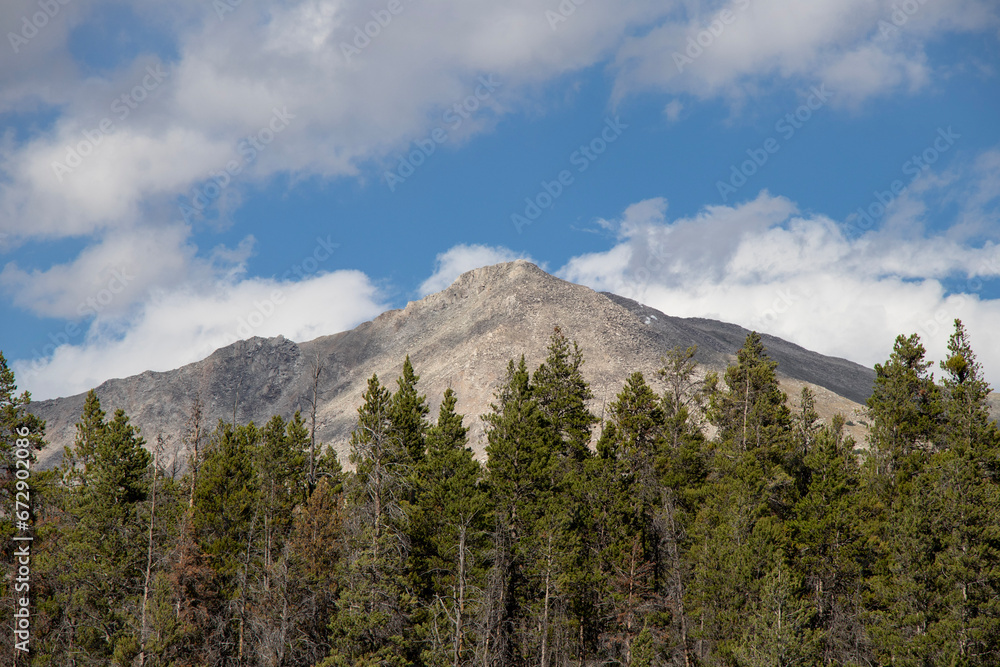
(193, 434)
(144, 630)
(317, 370)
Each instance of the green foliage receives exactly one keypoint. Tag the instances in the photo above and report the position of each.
(14, 416)
(408, 413)
(752, 412)
(772, 542)
(562, 395)
(904, 408)
(226, 517)
(520, 462)
(449, 535)
(371, 623)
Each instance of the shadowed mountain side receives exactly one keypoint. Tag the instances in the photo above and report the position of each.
(718, 341)
(461, 337)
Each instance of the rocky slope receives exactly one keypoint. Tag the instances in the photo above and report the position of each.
(461, 338)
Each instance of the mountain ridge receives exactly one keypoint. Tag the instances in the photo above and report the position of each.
(461, 337)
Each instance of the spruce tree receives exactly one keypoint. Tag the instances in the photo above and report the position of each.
(904, 408)
(97, 578)
(372, 622)
(408, 413)
(452, 520)
(520, 471)
(562, 395)
(15, 418)
(739, 542)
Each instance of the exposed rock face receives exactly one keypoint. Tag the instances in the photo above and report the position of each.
(462, 337)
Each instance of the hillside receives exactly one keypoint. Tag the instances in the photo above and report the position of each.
(461, 338)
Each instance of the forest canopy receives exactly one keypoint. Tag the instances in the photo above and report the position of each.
(699, 520)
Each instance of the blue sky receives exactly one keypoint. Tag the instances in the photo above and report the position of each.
(177, 175)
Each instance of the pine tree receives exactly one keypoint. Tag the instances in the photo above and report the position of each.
(15, 419)
(316, 553)
(827, 543)
(942, 545)
(562, 395)
(226, 499)
(565, 568)
(966, 412)
(629, 495)
(681, 468)
(904, 408)
(902, 472)
(89, 431)
(520, 470)
(372, 621)
(753, 412)
(408, 413)
(282, 479)
(449, 539)
(739, 541)
(97, 579)
(228, 522)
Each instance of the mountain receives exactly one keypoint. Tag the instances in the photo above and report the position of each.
(461, 338)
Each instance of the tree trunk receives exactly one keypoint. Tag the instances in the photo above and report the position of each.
(678, 580)
(143, 631)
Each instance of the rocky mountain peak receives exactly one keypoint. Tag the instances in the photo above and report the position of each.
(461, 337)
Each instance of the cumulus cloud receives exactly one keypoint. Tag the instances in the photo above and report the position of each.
(173, 135)
(765, 266)
(110, 276)
(187, 324)
(166, 140)
(457, 260)
(128, 158)
(859, 47)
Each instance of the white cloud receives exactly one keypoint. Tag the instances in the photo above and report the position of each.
(457, 260)
(357, 101)
(733, 49)
(114, 273)
(764, 266)
(187, 324)
(344, 114)
(673, 110)
(111, 172)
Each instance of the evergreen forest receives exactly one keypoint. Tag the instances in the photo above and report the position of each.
(699, 520)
